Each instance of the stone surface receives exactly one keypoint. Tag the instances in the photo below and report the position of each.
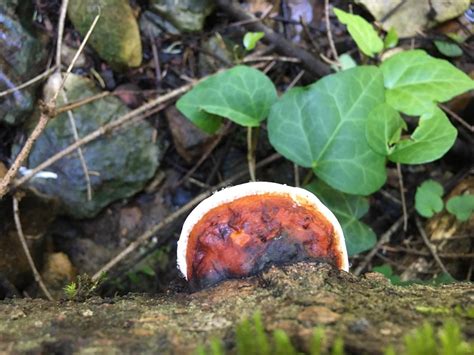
(189, 141)
(414, 15)
(176, 323)
(116, 38)
(119, 163)
(185, 15)
(22, 57)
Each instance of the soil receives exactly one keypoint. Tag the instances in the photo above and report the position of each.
(368, 312)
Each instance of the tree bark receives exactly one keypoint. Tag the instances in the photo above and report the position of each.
(367, 312)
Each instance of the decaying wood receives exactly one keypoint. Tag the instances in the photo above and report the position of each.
(368, 312)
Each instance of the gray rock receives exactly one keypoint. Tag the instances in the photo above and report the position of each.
(120, 162)
(186, 15)
(22, 56)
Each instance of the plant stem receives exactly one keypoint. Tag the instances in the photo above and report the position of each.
(251, 154)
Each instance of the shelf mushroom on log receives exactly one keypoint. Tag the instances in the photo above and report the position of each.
(241, 230)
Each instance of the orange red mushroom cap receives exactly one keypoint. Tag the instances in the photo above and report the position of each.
(243, 229)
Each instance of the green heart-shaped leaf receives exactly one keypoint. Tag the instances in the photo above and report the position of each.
(461, 206)
(428, 198)
(384, 127)
(362, 32)
(323, 127)
(347, 209)
(242, 94)
(433, 137)
(415, 81)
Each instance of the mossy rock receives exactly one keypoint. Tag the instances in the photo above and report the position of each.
(22, 58)
(185, 15)
(119, 163)
(116, 38)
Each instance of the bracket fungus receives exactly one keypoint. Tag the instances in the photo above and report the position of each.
(243, 229)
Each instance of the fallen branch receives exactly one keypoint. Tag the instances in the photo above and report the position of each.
(282, 45)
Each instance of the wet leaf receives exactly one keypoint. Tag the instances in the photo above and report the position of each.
(415, 81)
(347, 209)
(391, 39)
(251, 39)
(345, 62)
(323, 127)
(384, 127)
(449, 49)
(428, 198)
(433, 137)
(362, 32)
(242, 94)
(461, 206)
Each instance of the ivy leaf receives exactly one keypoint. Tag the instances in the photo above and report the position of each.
(428, 199)
(415, 81)
(242, 94)
(391, 39)
(449, 49)
(345, 62)
(362, 32)
(384, 127)
(347, 209)
(461, 206)
(433, 137)
(251, 39)
(322, 127)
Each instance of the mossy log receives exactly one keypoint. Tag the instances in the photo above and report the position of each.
(367, 312)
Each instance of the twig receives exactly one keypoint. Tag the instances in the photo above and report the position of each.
(423, 253)
(269, 58)
(75, 134)
(328, 31)
(21, 236)
(29, 82)
(305, 26)
(76, 56)
(430, 246)
(295, 80)
(59, 41)
(402, 195)
(172, 217)
(388, 195)
(385, 238)
(156, 60)
(457, 118)
(103, 130)
(282, 45)
(78, 103)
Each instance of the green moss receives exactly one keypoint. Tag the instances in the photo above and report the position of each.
(252, 339)
(116, 38)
